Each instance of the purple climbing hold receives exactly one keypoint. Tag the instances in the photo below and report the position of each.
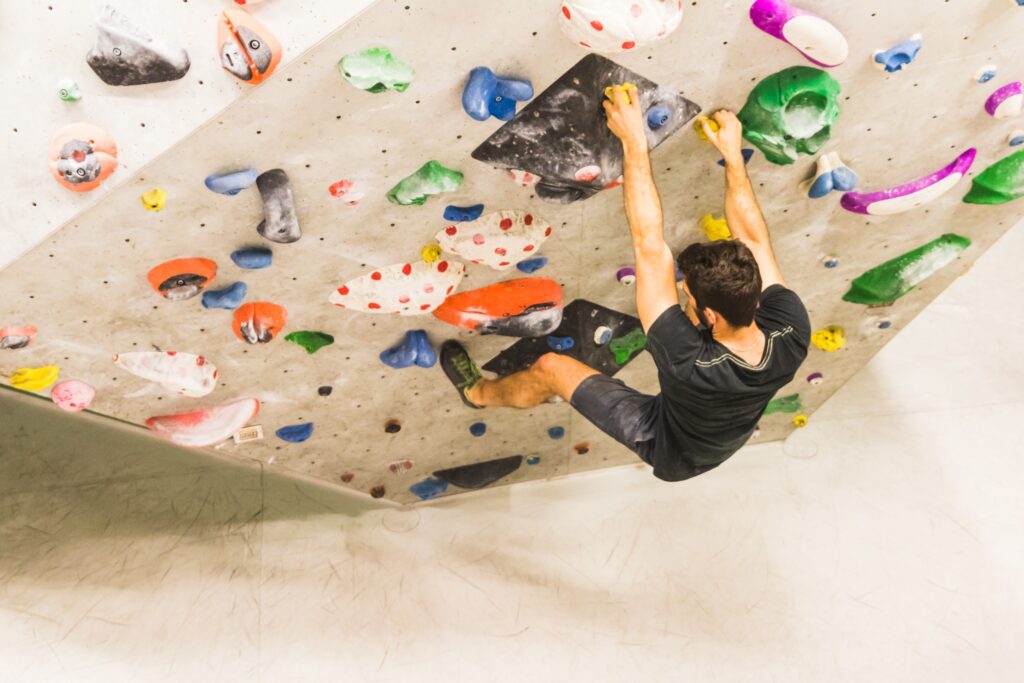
(415, 349)
(252, 258)
(532, 265)
(461, 214)
(487, 95)
(1006, 102)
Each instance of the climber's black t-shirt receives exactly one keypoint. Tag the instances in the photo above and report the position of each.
(711, 399)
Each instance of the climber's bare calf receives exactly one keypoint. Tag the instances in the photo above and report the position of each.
(551, 375)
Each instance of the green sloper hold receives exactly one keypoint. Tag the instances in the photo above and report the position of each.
(1001, 182)
(784, 404)
(376, 70)
(311, 341)
(886, 283)
(627, 346)
(790, 112)
(432, 178)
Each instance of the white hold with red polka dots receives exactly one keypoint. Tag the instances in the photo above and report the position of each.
(498, 240)
(619, 25)
(403, 288)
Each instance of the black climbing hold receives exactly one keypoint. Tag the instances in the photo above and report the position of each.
(325, 390)
(481, 474)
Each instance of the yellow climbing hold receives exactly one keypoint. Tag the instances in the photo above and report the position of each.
(700, 129)
(624, 87)
(715, 228)
(831, 338)
(35, 379)
(799, 420)
(154, 199)
(431, 253)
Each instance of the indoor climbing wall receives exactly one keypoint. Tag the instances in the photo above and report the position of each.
(296, 262)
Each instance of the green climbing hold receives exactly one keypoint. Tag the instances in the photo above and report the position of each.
(1000, 183)
(68, 91)
(311, 341)
(432, 178)
(624, 348)
(784, 404)
(376, 70)
(886, 283)
(790, 112)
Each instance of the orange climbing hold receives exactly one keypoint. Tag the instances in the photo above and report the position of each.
(248, 50)
(182, 278)
(259, 322)
(525, 307)
(82, 156)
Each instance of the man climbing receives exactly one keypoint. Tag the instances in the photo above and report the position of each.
(742, 337)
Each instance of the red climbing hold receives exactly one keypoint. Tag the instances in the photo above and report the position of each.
(343, 290)
(628, 45)
(500, 251)
(528, 219)
(373, 305)
(598, 26)
(528, 247)
(565, 11)
(375, 275)
(451, 230)
(506, 223)
(442, 266)
(406, 269)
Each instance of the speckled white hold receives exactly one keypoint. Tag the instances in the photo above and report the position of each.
(619, 25)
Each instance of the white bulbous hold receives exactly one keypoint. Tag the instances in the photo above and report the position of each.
(619, 25)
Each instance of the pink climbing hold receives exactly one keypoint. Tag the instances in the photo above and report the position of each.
(346, 191)
(72, 395)
(588, 173)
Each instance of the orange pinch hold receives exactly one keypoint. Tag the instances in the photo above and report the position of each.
(524, 307)
(248, 50)
(182, 278)
(82, 156)
(259, 322)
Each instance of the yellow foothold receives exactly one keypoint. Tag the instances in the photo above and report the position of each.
(700, 129)
(35, 379)
(799, 420)
(624, 87)
(154, 199)
(431, 253)
(715, 228)
(831, 338)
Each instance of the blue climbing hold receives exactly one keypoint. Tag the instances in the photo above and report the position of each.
(1016, 138)
(831, 174)
(252, 258)
(478, 429)
(560, 343)
(295, 433)
(658, 116)
(231, 183)
(898, 56)
(533, 460)
(556, 432)
(230, 297)
(414, 349)
(884, 325)
(748, 154)
(460, 214)
(532, 265)
(487, 95)
(429, 488)
(831, 263)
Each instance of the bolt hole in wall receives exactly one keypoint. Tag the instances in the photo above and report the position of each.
(416, 242)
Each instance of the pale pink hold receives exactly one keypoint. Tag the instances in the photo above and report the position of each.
(72, 395)
(588, 173)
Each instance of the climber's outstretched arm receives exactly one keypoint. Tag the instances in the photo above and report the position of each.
(655, 270)
(742, 212)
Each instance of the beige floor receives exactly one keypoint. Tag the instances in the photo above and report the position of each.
(895, 553)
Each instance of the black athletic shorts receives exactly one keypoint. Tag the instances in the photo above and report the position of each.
(624, 414)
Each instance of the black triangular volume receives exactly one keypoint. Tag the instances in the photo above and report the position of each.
(480, 474)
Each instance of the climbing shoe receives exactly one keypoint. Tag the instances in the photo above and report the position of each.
(460, 369)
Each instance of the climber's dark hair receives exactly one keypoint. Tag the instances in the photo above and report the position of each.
(724, 277)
